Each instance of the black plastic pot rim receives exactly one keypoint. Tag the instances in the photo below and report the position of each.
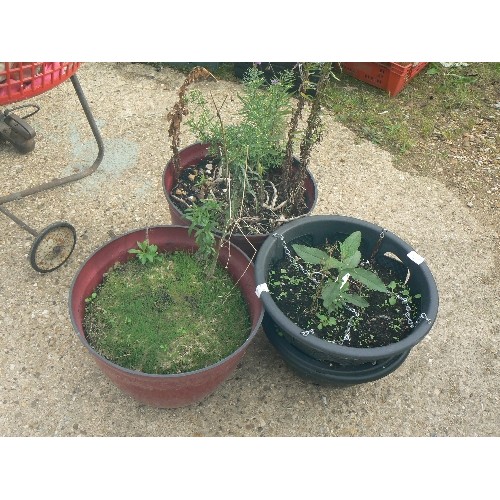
(95, 353)
(218, 233)
(336, 350)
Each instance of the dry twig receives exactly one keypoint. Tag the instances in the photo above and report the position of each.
(179, 110)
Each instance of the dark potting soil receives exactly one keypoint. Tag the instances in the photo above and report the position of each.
(196, 181)
(379, 324)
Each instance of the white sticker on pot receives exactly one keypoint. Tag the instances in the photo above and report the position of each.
(418, 259)
(260, 289)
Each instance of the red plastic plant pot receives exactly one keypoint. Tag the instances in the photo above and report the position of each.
(195, 153)
(170, 390)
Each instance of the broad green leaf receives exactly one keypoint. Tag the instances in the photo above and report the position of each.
(350, 245)
(311, 255)
(356, 300)
(369, 279)
(331, 262)
(353, 260)
(330, 293)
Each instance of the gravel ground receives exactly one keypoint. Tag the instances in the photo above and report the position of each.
(448, 386)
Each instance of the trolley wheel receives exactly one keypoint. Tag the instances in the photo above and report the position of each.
(25, 147)
(52, 247)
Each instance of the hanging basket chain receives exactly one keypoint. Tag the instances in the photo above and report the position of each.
(407, 314)
(377, 245)
(347, 334)
(293, 261)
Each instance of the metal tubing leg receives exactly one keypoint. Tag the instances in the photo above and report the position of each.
(70, 178)
(19, 222)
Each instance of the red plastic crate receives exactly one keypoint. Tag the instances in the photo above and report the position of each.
(20, 81)
(389, 76)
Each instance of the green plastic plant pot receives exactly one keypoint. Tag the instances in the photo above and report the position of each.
(169, 390)
(316, 230)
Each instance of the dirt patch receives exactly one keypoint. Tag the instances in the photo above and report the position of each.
(443, 124)
(463, 151)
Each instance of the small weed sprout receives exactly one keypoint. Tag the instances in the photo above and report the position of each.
(146, 253)
(89, 299)
(397, 289)
(325, 321)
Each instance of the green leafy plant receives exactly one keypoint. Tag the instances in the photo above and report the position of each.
(146, 253)
(253, 151)
(259, 135)
(342, 274)
(165, 317)
(203, 218)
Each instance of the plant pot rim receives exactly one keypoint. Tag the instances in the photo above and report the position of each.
(180, 214)
(106, 361)
(336, 350)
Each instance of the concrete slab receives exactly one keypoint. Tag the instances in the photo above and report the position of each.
(448, 386)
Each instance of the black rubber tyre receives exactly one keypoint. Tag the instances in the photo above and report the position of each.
(52, 247)
(26, 147)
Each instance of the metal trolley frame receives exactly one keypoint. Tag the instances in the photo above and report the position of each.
(54, 244)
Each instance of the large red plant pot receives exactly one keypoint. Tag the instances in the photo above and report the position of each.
(195, 153)
(171, 390)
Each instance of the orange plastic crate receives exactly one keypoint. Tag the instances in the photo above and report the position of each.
(389, 76)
